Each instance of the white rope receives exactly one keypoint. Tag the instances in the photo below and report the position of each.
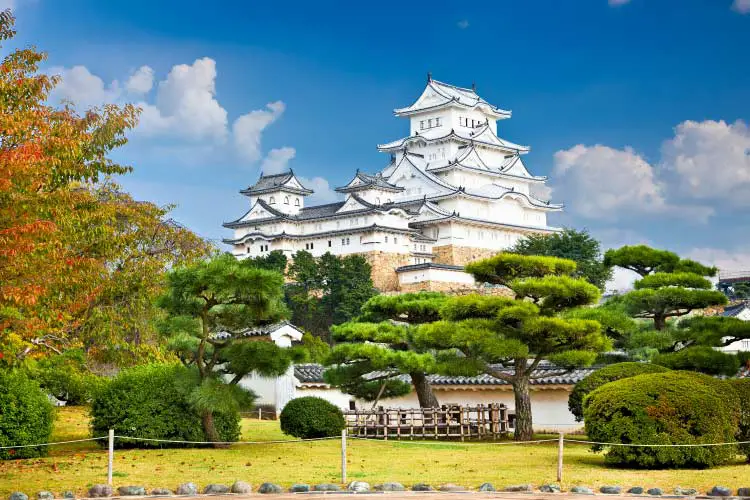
(51, 444)
(280, 441)
(636, 445)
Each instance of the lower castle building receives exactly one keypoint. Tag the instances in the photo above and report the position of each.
(452, 192)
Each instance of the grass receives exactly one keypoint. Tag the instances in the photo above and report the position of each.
(78, 466)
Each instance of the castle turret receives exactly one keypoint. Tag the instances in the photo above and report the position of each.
(283, 192)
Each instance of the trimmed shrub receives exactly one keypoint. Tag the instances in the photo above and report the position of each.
(311, 417)
(66, 377)
(152, 401)
(26, 416)
(742, 387)
(664, 408)
(702, 359)
(602, 376)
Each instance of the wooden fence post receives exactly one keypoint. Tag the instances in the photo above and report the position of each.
(560, 442)
(343, 456)
(111, 457)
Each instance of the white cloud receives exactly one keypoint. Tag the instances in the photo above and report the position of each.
(711, 161)
(186, 105)
(83, 88)
(615, 3)
(622, 280)
(247, 129)
(741, 6)
(276, 160)
(323, 191)
(738, 260)
(141, 81)
(599, 182)
(463, 24)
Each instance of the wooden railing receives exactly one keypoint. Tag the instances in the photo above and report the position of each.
(447, 422)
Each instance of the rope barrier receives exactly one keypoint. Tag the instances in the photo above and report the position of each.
(637, 445)
(428, 443)
(279, 441)
(51, 444)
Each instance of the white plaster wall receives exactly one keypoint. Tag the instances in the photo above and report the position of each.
(442, 275)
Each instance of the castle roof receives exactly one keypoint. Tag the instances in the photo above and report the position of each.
(285, 181)
(481, 135)
(437, 94)
(363, 181)
(352, 230)
(470, 159)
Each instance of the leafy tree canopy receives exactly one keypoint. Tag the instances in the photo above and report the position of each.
(578, 246)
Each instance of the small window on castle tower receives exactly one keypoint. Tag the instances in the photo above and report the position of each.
(286, 200)
(296, 202)
(421, 124)
(429, 123)
(271, 200)
(437, 122)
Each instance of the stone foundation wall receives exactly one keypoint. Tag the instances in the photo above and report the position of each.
(454, 288)
(459, 255)
(384, 266)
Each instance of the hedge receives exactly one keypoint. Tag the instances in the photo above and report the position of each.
(702, 359)
(26, 416)
(742, 387)
(311, 417)
(602, 376)
(151, 401)
(664, 408)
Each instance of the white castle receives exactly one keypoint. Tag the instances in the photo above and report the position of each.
(453, 192)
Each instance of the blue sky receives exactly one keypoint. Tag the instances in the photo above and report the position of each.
(637, 110)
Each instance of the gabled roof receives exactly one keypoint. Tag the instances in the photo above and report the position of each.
(412, 233)
(482, 135)
(736, 309)
(483, 222)
(496, 192)
(471, 159)
(285, 181)
(362, 181)
(262, 331)
(438, 94)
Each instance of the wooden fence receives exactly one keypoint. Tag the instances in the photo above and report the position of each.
(447, 422)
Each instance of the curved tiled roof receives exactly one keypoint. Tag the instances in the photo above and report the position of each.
(545, 374)
(482, 135)
(270, 183)
(451, 94)
(369, 181)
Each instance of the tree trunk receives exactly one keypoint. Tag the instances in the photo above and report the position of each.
(423, 389)
(660, 322)
(524, 425)
(209, 428)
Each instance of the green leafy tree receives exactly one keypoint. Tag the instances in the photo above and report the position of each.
(210, 305)
(669, 287)
(578, 246)
(377, 350)
(327, 290)
(508, 338)
(273, 261)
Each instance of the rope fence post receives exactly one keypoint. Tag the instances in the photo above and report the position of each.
(560, 442)
(343, 456)
(260, 414)
(111, 456)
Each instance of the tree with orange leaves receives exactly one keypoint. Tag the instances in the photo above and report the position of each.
(80, 261)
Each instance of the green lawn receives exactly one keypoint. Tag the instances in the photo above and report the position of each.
(77, 466)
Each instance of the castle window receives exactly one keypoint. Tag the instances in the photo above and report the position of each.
(271, 200)
(437, 122)
(421, 124)
(343, 241)
(386, 239)
(311, 246)
(329, 243)
(429, 123)
(377, 200)
(395, 240)
(286, 200)
(296, 202)
(347, 241)
(247, 249)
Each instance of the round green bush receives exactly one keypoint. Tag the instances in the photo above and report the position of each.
(702, 359)
(664, 408)
(311, 417)
(152, 401)
(742, 387)
(26, 416)
(602, 376)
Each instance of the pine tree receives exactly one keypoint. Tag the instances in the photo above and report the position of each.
(210, 305)
(508, 338)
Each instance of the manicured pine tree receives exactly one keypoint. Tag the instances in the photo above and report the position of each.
(376, 350)
(507, 337)
(210, 305)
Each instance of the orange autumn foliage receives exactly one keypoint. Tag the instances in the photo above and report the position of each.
(80, 261)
